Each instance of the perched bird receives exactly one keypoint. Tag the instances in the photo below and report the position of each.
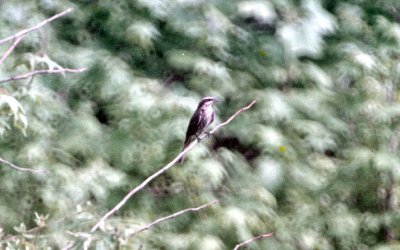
(201, 119)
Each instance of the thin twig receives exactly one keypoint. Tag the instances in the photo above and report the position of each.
(252, 239)
(165, 168)
(68, 246)
(42, 72)
(232, 117)
(37, 26)
(192, 209)
(17, 37)
(11, 165)
(12, 47)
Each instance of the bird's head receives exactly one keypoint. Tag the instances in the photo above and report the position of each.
(208, 101)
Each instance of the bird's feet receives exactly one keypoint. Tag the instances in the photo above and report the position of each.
(208, 134)
(198, 138)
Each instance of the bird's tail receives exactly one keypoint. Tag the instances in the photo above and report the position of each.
(180, 160)
(186, 143)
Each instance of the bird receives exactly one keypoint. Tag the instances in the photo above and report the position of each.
(201, 119)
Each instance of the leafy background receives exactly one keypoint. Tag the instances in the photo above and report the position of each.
(315, 161)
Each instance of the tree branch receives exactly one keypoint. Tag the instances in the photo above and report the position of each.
(165, 168)
(37, 26)
(251, 240)
(42, 72)
(68, 246)
(192, 209)
(12, 47)
(231, 118)
(11, 165)
(17, 37)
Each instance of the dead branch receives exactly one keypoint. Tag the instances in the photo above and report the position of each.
(18, 37)
(12, 47)
(11, 165)
(251, 240)
(42, 72)
(192, 209)
(231, 118)
(165, 168)
(68, 246)
(37, 26)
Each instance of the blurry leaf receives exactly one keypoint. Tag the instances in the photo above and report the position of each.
(388, 29)
(277, 108)
(270, 173)
(212, 172)
(157, 7)
(321, 78)
(304, 38)
(40, 60)
(142, 34)
(358, 56)
(269, 138)
(261, 11)
(9, 106)
(344, 225)
(40, 220)
(183, 60)
(351, 16)
(21, 228)
(237, 218)
(211, 242)
(215, 70)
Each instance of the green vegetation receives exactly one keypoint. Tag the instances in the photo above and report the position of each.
(315, 161)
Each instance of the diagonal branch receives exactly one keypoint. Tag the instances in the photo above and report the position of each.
(262, 236)
(42, 72)
(12, 47)
(165, 168)
(68, 246)
(192, 209)
(17, 37)
(232, 117)
(37, 26)
(11, 165)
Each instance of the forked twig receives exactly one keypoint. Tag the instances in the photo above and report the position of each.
(165, 168)
(17, 37)
(192, 209)
(37, 26)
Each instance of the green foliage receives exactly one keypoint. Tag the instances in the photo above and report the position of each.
(315, 161)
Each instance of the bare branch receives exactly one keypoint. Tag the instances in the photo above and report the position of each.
(192, 209)
(68, 246)
(165, 168)
(251, 240)
(232, 117)
(17, 37)
(42, 72)
(12, 47)
(37, 26)
(11, 165)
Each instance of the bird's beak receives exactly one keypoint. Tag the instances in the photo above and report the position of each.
(216, 99)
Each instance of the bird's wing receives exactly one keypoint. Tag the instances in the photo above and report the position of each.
(193, 127)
